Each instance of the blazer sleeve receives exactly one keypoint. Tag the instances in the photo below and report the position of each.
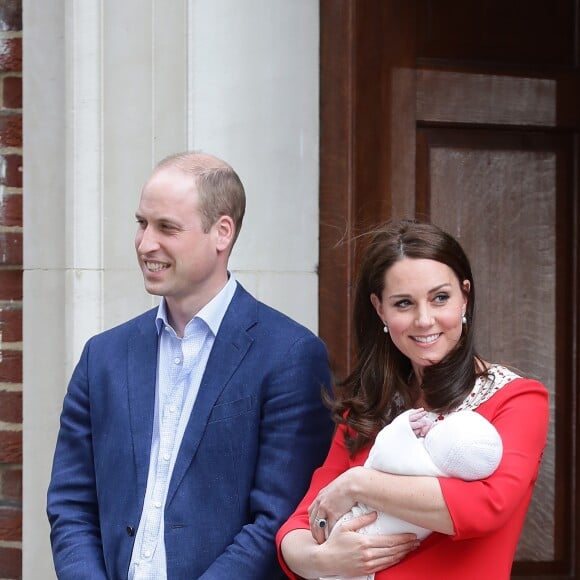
(72, 499)
(295, 434)
(336, 463)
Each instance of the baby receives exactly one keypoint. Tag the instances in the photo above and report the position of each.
(462, 444)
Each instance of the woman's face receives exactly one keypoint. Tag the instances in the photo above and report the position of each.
(422, 304)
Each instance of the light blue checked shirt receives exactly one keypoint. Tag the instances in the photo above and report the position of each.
(180, 367)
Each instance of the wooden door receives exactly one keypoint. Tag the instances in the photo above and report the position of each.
(468, 114)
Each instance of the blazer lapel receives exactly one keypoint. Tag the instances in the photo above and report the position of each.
(230, 347)
(141, 372)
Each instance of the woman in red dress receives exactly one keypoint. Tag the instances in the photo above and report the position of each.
(413, 316)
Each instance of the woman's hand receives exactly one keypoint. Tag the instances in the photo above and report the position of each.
(356, 554)
(346, 552)
(332, 502)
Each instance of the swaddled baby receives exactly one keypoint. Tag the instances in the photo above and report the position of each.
(463, 444)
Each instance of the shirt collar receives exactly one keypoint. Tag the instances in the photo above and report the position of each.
(212, 313)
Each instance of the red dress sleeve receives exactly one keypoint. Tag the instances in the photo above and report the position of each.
(520, 413)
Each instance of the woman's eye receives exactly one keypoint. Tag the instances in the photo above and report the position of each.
(441, 298)
(402, 303)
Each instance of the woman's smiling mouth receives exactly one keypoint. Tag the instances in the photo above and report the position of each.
(426, 339)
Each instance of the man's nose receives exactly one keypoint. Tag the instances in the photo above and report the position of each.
(146, 240)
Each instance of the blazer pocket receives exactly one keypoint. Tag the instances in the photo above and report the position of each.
(231, 409)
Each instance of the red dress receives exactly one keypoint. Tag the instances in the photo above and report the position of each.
(487, 515)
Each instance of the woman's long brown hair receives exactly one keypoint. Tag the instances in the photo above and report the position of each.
(378, 387)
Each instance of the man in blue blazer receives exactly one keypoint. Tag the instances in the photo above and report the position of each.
(188, 434)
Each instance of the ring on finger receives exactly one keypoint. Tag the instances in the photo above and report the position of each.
(320, 522)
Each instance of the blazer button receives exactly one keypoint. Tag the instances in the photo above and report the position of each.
(130, 531)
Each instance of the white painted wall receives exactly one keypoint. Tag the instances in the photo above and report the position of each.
(253, 99)
(110, 88)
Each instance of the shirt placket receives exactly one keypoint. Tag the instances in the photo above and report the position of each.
(172, 406)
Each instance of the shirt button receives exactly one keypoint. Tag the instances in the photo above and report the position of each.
(157, 504)
(172, 409)
(167, 457)
(147, 554)
(176, 360)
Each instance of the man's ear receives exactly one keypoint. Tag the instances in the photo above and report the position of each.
(225, 231)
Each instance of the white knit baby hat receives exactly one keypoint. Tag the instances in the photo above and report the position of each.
(464, 445)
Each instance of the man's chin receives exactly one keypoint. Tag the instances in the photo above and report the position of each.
(153, 289)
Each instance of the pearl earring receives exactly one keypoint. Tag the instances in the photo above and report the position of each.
(463, 319)
(386, 329)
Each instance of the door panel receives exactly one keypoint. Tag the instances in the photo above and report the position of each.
(515, 33)
(461, 97)
(467, 115)
(506, 197)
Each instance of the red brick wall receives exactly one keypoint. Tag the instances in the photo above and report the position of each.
(10, 289)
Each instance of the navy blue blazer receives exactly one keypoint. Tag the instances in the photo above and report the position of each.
(257, 431)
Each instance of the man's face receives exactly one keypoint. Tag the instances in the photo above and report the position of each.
(178, 259)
